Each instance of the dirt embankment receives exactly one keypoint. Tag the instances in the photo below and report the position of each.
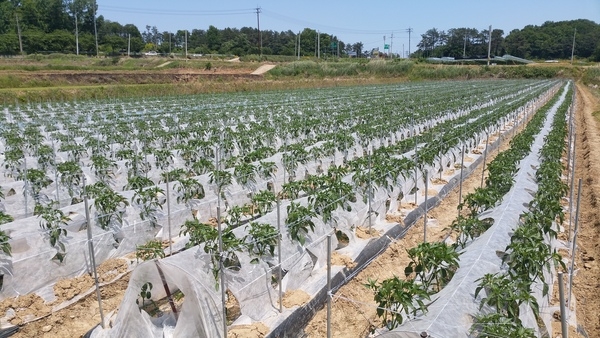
(123, 77)
(587, 166)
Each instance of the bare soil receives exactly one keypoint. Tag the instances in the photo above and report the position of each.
(293, 298)
(586, 284)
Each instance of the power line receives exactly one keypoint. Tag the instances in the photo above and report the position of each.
(288, 19)
(179, 12)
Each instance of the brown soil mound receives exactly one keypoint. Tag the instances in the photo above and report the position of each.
(339, 259)
(26, 308)
(293, 298)
(255, 330)
(365, 233)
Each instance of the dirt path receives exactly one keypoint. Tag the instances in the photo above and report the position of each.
(164, 64)
(263, 69)
(586, 284)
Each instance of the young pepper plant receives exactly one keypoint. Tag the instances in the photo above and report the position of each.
(188, 190)
(397, 298)
(262, 240)
(53, 222)
(201, 233)
(299, 221)
(149, 201)
(432, 262)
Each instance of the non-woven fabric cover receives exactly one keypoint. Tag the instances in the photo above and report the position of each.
(201, 311)
(452, 310)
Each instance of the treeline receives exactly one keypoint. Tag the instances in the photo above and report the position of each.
(72, 26)
(552, 40)
(68, 26)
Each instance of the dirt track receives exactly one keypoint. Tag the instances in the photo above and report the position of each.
(587, 282)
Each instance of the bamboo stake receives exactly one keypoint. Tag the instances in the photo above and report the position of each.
(167, 291)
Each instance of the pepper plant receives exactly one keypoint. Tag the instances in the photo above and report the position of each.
(299, 221)
(506, 295)
(432, 262)
(110, 205)
(4, 244)
(263, 201)
(201, 233)
(495, 325)
(468, 228)
(52, 223)
(151, 250)
(397, 298)
(149, 201)
(262, 240)
(71, 176)
(36, 180)
(188, 189)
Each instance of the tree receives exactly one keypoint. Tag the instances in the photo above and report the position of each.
(358, 47)
(213, 38)
(431, 40)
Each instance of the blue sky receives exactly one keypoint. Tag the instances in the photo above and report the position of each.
(351, 21)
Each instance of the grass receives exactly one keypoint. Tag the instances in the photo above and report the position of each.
(68, 77)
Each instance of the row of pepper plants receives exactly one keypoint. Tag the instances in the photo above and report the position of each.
(529, 253)
(192, 141)
(397, 298)
(326, 192)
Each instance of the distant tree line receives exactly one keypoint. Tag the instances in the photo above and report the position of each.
(552, 40)
(68, 26)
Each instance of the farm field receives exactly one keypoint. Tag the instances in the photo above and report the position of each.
(305, 161)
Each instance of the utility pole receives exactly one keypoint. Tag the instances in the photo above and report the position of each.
(489, 44)
(299, 45)
(572, 49)
(19, 32)
(76, 35)
(170, 42)
(318, 45)
(128, 45)
(392, 46)
(409, 31)
(96, 32)
(186, 43)
(384, 43)
(465, 47)
(258, 11)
